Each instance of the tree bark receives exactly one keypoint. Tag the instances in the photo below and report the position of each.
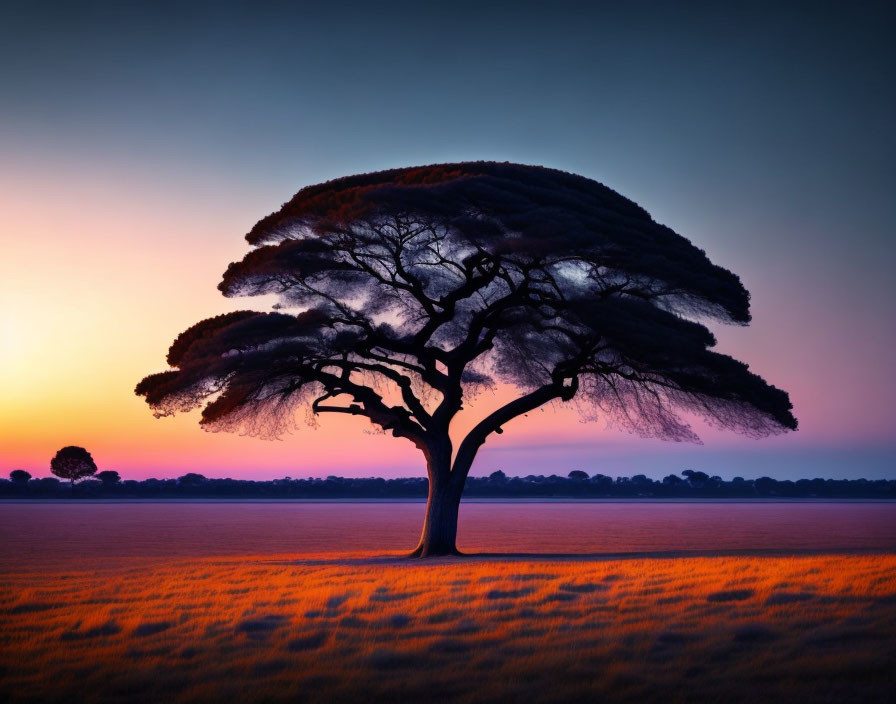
(447, 478)
(439, 536)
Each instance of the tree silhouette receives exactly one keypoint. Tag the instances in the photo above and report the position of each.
(412, 289)
(19, 476)
(72, 463)
(109, 477)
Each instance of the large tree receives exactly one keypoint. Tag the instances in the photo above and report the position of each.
(403, 292)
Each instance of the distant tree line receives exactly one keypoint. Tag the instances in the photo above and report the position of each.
(576, 485)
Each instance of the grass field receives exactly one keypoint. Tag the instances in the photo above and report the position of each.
(360, 627)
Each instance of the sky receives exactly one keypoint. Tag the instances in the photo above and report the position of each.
(141, 141)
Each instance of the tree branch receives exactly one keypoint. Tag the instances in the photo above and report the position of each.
(396, 419)
(400, 380)
(466, 453)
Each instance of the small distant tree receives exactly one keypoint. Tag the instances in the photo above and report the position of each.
(19, 476)
(696, 478)
(109, 477)
(72, 463)
(191, 479)
(578, 474)
(405, 292)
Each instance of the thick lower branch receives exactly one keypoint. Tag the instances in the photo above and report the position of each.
(371, 407)
(492, 423)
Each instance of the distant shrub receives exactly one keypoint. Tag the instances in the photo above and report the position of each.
(19, 476)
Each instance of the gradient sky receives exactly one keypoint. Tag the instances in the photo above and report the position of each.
(139, 144)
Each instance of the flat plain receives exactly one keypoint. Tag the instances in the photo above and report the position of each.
(559, 602)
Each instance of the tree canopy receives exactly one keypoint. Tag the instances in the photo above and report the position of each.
(109, 477)
(403, 292)
(72, 463)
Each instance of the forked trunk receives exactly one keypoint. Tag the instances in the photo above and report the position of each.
(439, 536)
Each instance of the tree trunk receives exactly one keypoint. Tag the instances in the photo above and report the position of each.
(439, 536)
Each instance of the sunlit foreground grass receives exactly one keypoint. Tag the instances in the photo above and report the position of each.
(337, 628)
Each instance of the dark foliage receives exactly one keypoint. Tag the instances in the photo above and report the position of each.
(496, 485)
(109, 477)
(529, 275)
(72, 463)
(414, 288)
(19, 476)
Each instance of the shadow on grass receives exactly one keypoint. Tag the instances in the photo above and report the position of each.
(110, 628)
(473, 557)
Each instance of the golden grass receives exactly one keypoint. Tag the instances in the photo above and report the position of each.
(363, 628)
